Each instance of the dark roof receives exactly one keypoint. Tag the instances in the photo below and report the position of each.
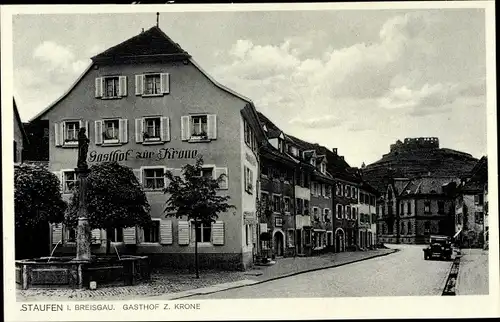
(20, 123)
(153, 42)
(426, 185)
(272, 130)
(271, 152)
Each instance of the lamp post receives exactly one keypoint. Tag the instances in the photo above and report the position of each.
(82, 171)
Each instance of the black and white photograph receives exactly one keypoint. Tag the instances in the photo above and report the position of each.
(296, 160)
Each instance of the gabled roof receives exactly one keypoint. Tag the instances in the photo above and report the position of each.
(272, 130)
(153, 42)
(19, 122)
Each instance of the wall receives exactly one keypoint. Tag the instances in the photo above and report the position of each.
(18, 138)
(190, 92)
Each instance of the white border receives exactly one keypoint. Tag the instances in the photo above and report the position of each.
(462, 306)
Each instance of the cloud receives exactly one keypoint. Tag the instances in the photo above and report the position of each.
(324, 122)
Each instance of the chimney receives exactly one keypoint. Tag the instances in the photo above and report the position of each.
(342, 157)
(334, 150)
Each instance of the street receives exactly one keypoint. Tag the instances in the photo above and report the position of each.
(404, 273)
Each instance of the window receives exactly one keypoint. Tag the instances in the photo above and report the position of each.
(427, 207)
(299, 206)
(315, 213)
(277, 203)
(427, 227)
(248, 180)
(326, 215)
(111, 87)
(339, 211)
(402, 228)
(152, 84)
(479, 217)
(249, 135)
(286, 204)
(353, 193)
(322, 168)
(402, 208)
(202, 233)
(306, 180)
(410, 228)
(348, 191)
(348, 212)
(306, 207)
(248, 233)
(408, 208)
(71, 132)
(290, 236)
(354, 215)
(440, 207)
(338, 189)
(115, 235)
(278, 222)
(264, 199)
(152, 232)
(154, 179)
(69, 181)
(479, 199)
(199, 125)
(70, 235)
(111, 131)
(328, 191)
(152, 129)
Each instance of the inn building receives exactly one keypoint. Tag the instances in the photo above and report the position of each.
(148, 105)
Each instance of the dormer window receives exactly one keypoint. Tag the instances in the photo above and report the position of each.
(313, 161)
(322, 167)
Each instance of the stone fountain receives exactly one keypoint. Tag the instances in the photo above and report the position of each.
(78, 272)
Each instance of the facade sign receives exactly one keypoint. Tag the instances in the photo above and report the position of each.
(250, 159)
(125, 155)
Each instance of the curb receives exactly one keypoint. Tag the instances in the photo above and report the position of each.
(450, 285)
(285, 276)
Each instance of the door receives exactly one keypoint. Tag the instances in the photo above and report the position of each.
(278, 244)
(298, 233)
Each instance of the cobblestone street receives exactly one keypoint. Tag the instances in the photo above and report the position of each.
(178, 281)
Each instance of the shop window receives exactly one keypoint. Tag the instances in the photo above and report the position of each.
(202, 232)
(69, 181)
(154, 179)
(151, 232)
(115, 235)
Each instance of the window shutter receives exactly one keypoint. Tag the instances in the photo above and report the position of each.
(218, 233)
(245, 177)
(165, 129)
(98, 87)
(139, 85)
(96, 236)
(138, 175)
(62, 127)
(122, 89)
(249, 234)
(56, 233)
(185, 131)
(86, 125)
(224, 183)
(212, 126)
(57, 134)
(129, 236)
(254, 233)
(139, 129)
(183, 231)
(166, 232)
(165, 83)
(98, 132)
(123, 134)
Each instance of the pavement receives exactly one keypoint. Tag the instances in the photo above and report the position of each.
(404, 273)
(473, 277)
(176, 285)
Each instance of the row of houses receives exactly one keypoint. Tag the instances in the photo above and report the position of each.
(147, 104)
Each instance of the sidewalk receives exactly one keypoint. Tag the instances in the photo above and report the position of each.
(473, 276)
(179, 284)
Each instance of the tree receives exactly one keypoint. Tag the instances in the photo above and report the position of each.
(196, 197)
(37, 197)
(115, 199)
(37, 202)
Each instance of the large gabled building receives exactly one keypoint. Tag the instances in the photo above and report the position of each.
(148, 105)
(20, 137)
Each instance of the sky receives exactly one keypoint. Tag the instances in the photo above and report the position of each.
(355, 80)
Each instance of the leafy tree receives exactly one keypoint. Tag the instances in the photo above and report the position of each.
(37, 197)
(115, 199)
(196, 197)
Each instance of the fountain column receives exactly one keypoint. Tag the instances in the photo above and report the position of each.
(82, 171)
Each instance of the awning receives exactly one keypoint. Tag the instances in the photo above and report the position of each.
(458, 232)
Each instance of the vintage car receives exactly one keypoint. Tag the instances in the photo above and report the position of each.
(439, 246)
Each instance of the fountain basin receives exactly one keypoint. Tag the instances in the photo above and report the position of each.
(67, 272)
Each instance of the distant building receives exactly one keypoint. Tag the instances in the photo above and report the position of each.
(21, 140)
(471, 218)
(367, 219)
(412, 210)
